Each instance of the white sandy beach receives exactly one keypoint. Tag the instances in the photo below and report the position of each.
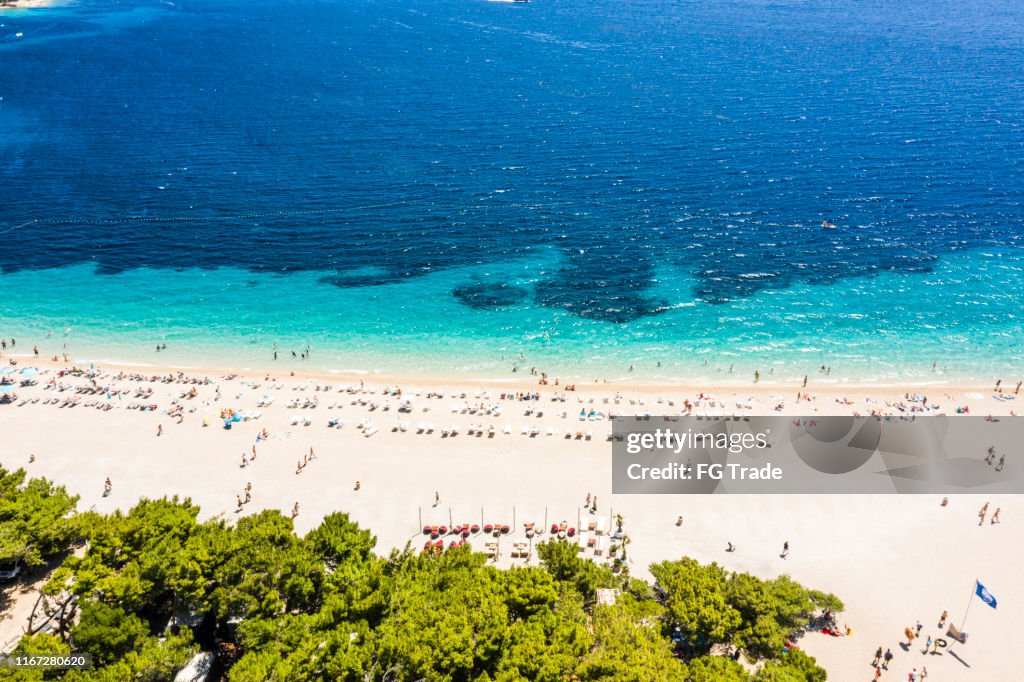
(891, 559)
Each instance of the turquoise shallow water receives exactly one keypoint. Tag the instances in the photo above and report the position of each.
(443, 187)
(964, 316)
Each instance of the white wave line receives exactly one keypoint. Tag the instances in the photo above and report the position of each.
(18, 227)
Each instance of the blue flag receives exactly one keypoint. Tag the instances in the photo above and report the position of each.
(984, 594)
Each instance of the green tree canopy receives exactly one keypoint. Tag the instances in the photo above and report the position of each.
(793, 666)
(716, 669)
(326, 607)
(698, 601)
(35, 517)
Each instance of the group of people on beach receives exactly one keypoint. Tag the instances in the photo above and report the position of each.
(984, 511)
(882, 661)
(248, 497)
(990, 458)
(304, 462)
(999, 387)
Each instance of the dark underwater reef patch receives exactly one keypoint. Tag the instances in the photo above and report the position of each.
(602, 285)
(488, 296)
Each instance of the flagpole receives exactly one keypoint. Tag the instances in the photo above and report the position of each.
(968, 610)
(964, 621)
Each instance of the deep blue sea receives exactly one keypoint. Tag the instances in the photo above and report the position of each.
(418, 186)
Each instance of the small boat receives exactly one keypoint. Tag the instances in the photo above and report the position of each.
(827, 225)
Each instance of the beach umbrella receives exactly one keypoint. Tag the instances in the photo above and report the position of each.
(29, 371)
(7, 388)
(7, 370)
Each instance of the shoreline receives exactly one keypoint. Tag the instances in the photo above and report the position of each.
(514, 371)
(817, 384)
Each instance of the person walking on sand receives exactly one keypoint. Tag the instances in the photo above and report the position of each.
(785, 549)
(437, 498)
(805, 381)
(909, 634)
(918, 627)
(924, 674)
(942, 619)
(878, 657)
(991, 455)
(878, 673)
(927, 645)
(238, 499)
(159, 429)
(295, 510)
(887, 658)
(981, 513)
(995, 516)
(912, 676)
(1002, 463)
